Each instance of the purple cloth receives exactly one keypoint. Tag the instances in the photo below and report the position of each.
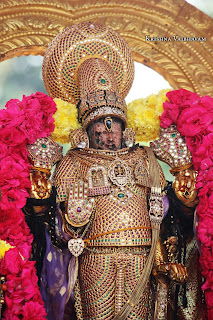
(165, 206)
(54, 280)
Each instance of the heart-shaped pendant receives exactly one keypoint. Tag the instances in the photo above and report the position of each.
(76, 246)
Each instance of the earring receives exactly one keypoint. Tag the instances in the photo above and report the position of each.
(129, 137)
(79, 139)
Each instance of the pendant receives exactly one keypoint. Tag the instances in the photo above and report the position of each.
(76, 246)
(98, 181)
(120, 196)
(119, 173)
(142, 176)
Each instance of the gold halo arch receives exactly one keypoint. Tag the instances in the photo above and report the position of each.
(28, 26)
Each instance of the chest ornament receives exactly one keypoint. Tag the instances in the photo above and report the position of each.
(98, 181)
(76, 246)
(141, 174)
(120, 173)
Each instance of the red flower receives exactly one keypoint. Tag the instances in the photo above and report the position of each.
(182, 97)
(205, 232)
(206, 260)
(33, 311)
(193, 142)
(193, 121)
(13, 261)
(170, 114)
(209, 300)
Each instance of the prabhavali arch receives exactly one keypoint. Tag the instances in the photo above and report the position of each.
(28, 26)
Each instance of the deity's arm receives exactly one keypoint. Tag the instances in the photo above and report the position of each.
(171, 148)
(42, 155)
(173, 271)
(163, 267)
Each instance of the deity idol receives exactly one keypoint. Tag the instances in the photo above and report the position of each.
(102, 238)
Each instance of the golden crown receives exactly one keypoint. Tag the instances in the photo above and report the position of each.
(90, 65)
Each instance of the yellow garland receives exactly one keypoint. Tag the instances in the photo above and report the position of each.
(4, 247)
(142, 116)
(66, 120)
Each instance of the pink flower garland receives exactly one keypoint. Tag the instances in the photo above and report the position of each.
(193, 116)
(21, 123)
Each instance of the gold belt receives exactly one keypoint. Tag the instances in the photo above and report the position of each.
(86, 241)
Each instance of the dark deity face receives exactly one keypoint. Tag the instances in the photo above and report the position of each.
(101, 137)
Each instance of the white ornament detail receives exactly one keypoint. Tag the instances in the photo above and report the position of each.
(76, 246)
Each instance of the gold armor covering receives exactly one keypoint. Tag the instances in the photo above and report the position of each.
(119, 238)
(91, 65)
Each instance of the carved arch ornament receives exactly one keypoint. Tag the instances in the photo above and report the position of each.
(28, 26)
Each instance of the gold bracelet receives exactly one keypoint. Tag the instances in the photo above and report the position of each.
(41, 169)
(181, 168)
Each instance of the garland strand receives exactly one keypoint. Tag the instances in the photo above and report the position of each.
(193, 116)
(21, 123)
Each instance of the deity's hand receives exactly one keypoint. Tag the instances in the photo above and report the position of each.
(175, 271)
(79, 206)
(41, 187)
(184, 186)
(178, 273)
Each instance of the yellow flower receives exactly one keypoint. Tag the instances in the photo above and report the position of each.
(66, 120)
(4, 246)
(143, 116)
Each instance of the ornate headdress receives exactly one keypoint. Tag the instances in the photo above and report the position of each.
(90, 65)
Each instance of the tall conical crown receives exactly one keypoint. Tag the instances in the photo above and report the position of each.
(91, 65)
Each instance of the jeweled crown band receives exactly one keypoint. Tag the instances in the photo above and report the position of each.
(100, 104)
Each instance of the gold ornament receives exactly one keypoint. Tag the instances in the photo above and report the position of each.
(79, 139)
(141, 173)
(119, 173)
(76, 246)
(171, 147)
(79, 207)
(129, 137)
(90, 64)
(184, 186)
(44, 153)
(98, 181)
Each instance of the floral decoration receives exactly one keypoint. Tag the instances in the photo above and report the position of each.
(4, 247)
(21, 123)
(143, 116)
(193, 116)
(66, 120)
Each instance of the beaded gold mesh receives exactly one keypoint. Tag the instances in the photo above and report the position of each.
(98, 92)
(107, 280)
(66, 68)
(95, 75)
